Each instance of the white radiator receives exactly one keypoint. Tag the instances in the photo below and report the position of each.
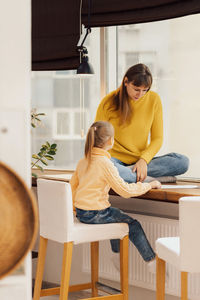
(154, 227)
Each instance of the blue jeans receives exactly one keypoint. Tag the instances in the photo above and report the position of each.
(171, 164)
(115, 215)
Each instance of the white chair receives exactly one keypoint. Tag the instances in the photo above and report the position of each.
(182, 252)
(58, 223)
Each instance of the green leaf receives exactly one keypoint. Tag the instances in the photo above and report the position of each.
(47, 143)
(44, 162)
(33, 125)
(41, 114)
(53, 146)
(40, 154)
(49, 157)
(44, 146)
(51, 152)
(40, 168)
(34, 175)
(35, 156)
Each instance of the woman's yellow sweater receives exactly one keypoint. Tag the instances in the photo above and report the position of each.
(131, 139)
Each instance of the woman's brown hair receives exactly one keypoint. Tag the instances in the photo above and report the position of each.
(98, 134)
(139, 75)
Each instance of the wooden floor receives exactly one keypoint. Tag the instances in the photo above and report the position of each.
(134, 293)
(72, 296)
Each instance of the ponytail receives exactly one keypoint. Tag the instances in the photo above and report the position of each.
(98, 134)
(89, 144)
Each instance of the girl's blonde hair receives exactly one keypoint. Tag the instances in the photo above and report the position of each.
(98, 134)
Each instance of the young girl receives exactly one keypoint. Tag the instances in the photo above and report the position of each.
(94, 176)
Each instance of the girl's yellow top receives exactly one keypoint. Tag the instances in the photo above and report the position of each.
(90, 186)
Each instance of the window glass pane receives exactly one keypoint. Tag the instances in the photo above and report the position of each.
(171, 49)
(63, 123)
(58, 94)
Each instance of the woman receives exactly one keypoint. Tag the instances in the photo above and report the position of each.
(135, 112)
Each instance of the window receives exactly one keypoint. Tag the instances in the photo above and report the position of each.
(67, 123)
(171, 50)
(58, 94)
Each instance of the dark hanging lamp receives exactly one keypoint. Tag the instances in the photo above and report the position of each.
(85, 68)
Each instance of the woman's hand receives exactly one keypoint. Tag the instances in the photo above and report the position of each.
(155, 184)
(141, 169)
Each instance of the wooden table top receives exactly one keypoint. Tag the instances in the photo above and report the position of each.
(170, 195)
(166, 195)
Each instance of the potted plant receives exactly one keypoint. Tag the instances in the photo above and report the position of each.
(47, 150)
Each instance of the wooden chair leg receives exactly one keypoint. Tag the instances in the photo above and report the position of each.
(184, 286)
(94, 267)
(66, 268)
(124, 266)
(160, 279)
(40, 267)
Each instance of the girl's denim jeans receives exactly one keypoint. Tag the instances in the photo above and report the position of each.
(115, 215)
(171, 164)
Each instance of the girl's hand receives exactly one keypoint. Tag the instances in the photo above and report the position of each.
(155, 184)
(141, 169)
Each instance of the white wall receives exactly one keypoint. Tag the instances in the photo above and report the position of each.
(15, 66)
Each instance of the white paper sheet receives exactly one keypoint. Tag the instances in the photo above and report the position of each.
(182, 186)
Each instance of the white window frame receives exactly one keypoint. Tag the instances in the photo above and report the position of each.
(71, 114)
